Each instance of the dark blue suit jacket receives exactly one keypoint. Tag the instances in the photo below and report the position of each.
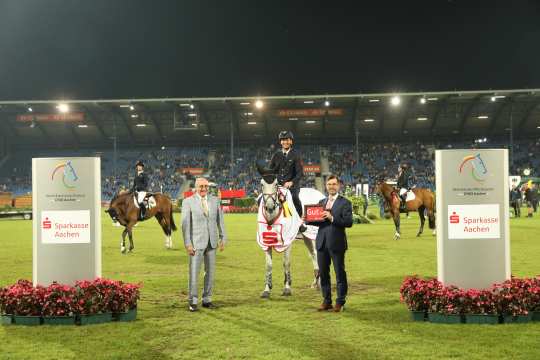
(333, 233)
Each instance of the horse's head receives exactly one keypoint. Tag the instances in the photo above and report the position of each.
(270, 193)
(115, 210)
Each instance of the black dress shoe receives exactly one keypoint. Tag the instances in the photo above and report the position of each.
(209, 305)
(193, 307)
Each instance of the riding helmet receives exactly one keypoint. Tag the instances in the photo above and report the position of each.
(285, 134)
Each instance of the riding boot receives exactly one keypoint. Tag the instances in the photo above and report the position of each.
(402, 205)
(142, 213)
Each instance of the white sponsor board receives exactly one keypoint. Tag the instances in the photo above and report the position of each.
(65, 227)
(474, 221)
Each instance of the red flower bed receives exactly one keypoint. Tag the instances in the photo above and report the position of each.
(512, 297)
(85, 298)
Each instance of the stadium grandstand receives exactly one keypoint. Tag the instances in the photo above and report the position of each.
(360, 136)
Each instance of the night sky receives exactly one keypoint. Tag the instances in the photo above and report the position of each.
(140, 49)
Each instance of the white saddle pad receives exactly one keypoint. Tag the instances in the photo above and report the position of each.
(141, 195)
(410, 196)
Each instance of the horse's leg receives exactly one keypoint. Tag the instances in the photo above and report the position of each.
(268, 276)
(287, 272)
(397, 222)
(422, 220)
(130, 235)
(310, 245)
(123, 242)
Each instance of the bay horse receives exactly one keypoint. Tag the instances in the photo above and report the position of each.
(424, 201)
(123, 210)
(272, 208)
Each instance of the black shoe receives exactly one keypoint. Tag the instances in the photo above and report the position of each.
(209, 305)
(193, 307)
(302, 228)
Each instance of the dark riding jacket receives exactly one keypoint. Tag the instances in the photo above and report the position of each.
(287, 167)
(140, 183)
(405, 179)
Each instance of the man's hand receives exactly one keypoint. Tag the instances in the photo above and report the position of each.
(221, 246)
(190, 250)
(327, 216)
(288, 184)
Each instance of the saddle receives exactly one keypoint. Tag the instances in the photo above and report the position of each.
(149, 200)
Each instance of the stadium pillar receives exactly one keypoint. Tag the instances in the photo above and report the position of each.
(232, 139)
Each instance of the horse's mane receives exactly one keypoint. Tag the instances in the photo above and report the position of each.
(119, 194)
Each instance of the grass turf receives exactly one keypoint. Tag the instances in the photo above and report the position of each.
(374, 325)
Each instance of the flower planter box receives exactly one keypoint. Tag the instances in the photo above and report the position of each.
(59, 320)
(481, 319)
(536, 316)
(95, 319)
(130, 315)
(6, 319)
(27, 320)
(520, 319)
(445, 319)
(418, 315)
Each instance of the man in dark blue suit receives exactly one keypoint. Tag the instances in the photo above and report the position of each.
(331, 244)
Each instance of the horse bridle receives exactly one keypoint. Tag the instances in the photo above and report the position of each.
(272, 196)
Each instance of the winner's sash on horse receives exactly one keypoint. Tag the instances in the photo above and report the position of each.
(281, 233)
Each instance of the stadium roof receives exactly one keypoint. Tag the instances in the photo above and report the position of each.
(321, 118)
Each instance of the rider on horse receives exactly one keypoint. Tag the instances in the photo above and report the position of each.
(404, 182)
(140, 187)
(286, 163)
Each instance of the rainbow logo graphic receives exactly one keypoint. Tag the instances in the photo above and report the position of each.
(477, 166)
(69, 176)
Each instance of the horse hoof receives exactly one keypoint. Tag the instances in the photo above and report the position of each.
(397, 237)
(123, 250)
(286, 292)
(265, 295)
(418, 235)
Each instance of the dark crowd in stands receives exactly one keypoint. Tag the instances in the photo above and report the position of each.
(164, 165)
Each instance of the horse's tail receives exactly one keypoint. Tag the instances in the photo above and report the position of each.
(431, 216)
(171, 218)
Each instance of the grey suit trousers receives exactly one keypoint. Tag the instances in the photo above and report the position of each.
(208, 256)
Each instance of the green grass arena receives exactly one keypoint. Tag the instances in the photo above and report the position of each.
(374, 325)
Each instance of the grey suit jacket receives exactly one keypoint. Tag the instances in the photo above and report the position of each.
(197, 229)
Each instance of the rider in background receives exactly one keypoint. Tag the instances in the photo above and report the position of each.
(286, 163)
(404, 182)
(140, 187)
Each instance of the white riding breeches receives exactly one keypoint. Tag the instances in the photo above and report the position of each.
(140, 196)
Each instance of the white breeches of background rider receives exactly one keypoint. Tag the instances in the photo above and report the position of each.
(140, 196)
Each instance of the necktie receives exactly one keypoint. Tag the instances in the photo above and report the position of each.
(204, 206)
(329, 203)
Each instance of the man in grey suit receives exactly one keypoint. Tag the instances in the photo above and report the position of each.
(202, 225)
